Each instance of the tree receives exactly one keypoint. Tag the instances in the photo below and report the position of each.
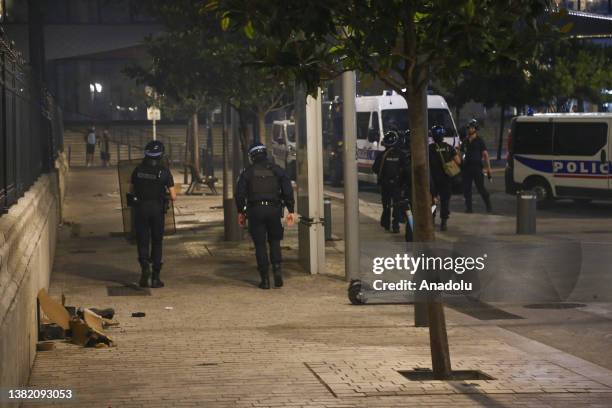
(404, 43)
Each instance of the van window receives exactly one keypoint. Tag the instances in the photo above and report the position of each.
(276, 134)
(441, 117)
(532, 138)
(579, 139)
(291, 133)
(363, 122)
(395, 119)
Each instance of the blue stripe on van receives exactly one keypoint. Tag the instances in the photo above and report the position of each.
(544, 166)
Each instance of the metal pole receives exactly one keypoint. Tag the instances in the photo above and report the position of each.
(351, 187)
(154, 131)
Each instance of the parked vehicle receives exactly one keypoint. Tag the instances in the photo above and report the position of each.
(283, 146)
(560, 156)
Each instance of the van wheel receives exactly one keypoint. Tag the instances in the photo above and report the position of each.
(542, 191)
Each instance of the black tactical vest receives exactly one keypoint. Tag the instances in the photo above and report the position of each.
(150, 182)
(391, 166)
(264, 183)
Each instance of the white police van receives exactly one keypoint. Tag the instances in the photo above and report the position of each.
(560, 156)
(283, 146)
(378, 114)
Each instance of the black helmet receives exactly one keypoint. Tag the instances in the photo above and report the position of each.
(473, 124)
(257, 150)
(437, 133)
(154, 149)
(390, 139)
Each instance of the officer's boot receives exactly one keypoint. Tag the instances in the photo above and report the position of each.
(155, 281)
(487, 201)
(145, 274)
(278, 275)
(443, 226)
(265, 279)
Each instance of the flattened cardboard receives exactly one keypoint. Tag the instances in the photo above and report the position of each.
(54, 310)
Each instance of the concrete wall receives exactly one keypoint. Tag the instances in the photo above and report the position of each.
(28, 235)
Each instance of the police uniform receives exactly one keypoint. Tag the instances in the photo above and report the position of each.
(441, 183)
(150, 181)
(471, 171)
(263, 189)
(392, 168)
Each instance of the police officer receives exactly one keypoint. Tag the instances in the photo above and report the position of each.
(474, 154)
(152, 185)
(391, 167)
(441, 152)
(263, 189)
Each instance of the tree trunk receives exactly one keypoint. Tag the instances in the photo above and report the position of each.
(261, 122)
(187, 155)
(423, 225)
(195, 143)
(502, 122)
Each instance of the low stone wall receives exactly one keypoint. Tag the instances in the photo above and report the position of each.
(28, 234)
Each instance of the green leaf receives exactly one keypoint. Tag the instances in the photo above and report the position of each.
(225, 23)
(567, 28)
(470, 9)
(249, 31)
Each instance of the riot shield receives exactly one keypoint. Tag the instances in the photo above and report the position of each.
(124, 170)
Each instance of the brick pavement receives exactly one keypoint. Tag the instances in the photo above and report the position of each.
(225, 343)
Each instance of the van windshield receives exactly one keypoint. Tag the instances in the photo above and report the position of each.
(291, 133)
(397, 119)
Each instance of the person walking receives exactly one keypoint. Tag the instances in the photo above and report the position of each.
(152, 186)
(441, 155)
(391, 167)
(90, 146)
(475, 158)
(105, 148)
(262, 191)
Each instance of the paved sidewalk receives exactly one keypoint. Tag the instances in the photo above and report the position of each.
(212, 339)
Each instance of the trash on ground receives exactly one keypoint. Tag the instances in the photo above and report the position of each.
(107, 313)
(168, 308)
(51, 331)
(138, 314)
(85, 335)
(45, 346)
(54, 310)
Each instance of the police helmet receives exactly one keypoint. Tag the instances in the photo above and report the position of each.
(154, 149)
(257, 150)
(437, 133)
(473, 124)
(390, 139)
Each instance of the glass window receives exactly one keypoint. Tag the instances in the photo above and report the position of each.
(579, 139)
(395, 119)
(276, 133)
(291, 133)
(114, 11)
(532, 138)
(363, 122)
(441, 117)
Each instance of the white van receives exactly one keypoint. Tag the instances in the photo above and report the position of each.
(560, 156)
(283, 146)
(375, 114)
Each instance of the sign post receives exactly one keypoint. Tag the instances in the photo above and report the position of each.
(153, 114)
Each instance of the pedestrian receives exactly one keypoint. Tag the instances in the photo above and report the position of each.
(105, 148)
(475, 158)
(152, 186)
(441, 154)
(391, 167)
(90, 146)
(262, 191)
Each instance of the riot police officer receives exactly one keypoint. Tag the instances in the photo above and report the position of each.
(263, 189)
(391, 167)
(152, 186)
(474, 154)
(441, 152)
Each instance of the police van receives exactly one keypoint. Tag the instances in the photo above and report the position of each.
(378, 114)
(283, 146)
(560, 156)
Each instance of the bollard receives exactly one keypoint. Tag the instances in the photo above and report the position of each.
(327, 217)
(526, 213)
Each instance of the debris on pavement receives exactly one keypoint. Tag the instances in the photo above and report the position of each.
(45, 346)
(54, 310)
(51, 331)
(138, 314)
(107, 313)
(169, 308)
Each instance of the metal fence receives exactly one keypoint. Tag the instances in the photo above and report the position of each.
(30, 127)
